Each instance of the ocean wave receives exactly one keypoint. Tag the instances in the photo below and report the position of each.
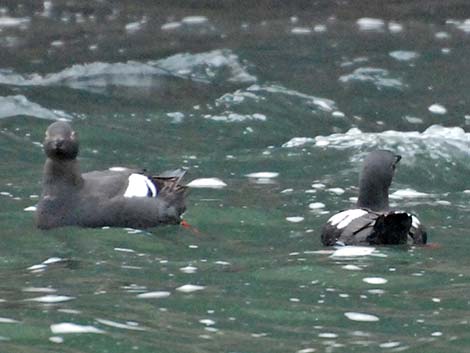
(380, 78)
(239, 105)
(437, 141)
(19, 105)
(217, 65)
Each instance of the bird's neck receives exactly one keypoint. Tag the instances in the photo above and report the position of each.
(373, 197)
(61, 176)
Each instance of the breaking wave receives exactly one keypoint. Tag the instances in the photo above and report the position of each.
(436, 141)
(19, 105)
(214, 66)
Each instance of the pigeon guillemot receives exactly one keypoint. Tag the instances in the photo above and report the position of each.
(372, 222)
(117, 197)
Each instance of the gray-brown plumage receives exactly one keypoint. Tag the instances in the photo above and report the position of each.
(118, 197)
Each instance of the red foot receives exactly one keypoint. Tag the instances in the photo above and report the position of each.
(433, 245)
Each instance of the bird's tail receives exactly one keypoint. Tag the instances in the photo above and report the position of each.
(171, 190)
(391, 228)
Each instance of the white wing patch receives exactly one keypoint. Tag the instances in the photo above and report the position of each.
(342, 219)
(140, 186)
(415, 223)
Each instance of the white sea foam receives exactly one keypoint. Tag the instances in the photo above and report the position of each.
(352, 251)
(263, 175)
(67, 327)
(407, 193)
(189, 288)
(51, 299)
(127, 326)
(395, 27)
(39, 290)
(188, 269)
(316, 205)
(207, 322)
(320, 103)
(380, 78)
(370, 24)
(301, 30)
(404, 55)
(374, 280)
(7, 320)
(231, 117)
(154, 295)
(19, 105)
(216, 64)
(208, 183)
(194, 20)
(6, 21)
(361, 317)
(171, 26)
(437, 109)
(295, 219)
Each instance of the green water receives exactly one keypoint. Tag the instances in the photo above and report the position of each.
(223, 96)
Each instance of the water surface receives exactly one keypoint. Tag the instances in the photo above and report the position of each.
(298, 92)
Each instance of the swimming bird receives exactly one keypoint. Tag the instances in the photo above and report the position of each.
(118, 197)
(372, 221)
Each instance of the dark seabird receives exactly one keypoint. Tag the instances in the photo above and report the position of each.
(372, 222)
(118, 197)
